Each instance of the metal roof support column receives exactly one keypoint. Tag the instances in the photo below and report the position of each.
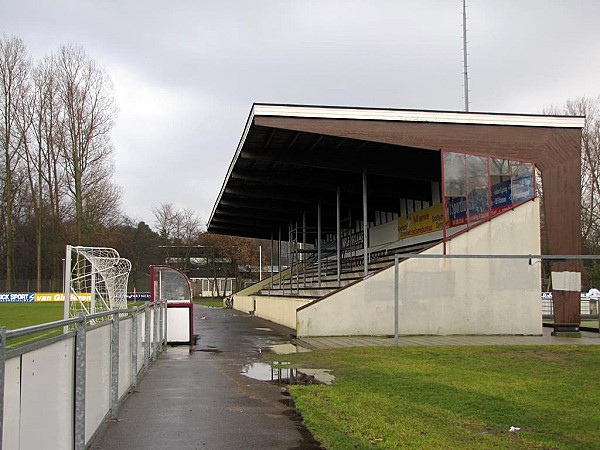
(303, 246)
(339, 239)
(319, 242)
(271, 283)
(297, 261)
(365, 225)
(279, 257)
(290, 262)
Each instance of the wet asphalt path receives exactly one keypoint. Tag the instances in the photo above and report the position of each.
(200, 399)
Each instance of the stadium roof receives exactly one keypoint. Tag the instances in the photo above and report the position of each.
(291, 157)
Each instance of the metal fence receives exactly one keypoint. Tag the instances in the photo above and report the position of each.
(56, 392)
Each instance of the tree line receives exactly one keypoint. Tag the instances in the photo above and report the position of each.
(56, 115)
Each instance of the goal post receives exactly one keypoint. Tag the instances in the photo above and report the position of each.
(95, 280)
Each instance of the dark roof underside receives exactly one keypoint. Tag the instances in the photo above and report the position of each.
(281, 174)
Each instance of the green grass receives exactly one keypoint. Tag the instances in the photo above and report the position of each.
(20, 315)
(454, 397)
(213, 302)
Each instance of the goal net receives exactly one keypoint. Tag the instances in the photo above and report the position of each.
(95, 280)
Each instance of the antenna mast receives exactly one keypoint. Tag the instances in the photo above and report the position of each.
(465, 73)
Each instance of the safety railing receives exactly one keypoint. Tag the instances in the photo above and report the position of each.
(56, 392)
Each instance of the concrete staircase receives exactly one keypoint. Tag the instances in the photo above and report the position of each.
(303, 280)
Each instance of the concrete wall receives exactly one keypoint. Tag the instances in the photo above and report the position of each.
(451, 296)
(281, 310)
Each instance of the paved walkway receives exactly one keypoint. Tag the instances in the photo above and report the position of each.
(201, 400)
(587, 338)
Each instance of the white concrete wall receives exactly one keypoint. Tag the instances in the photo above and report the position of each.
(281, 310)
(451, 296)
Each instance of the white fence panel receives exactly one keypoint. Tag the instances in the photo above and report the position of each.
(141, 329)
(124, 356)
(47, 380)
(12, 403)
(97, 389)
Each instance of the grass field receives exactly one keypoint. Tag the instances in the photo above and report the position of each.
(454, 397)
(20, 315)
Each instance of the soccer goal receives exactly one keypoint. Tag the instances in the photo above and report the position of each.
(95, 280)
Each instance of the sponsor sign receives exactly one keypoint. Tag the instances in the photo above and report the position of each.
(60, 297)
(522, 188)
(16, 297)
(457, 211)
(419, 222)
(138, 296)
(501, 196)
(478, 204)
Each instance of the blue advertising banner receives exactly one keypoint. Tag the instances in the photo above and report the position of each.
(16, 297)
(522, 188)
(457, 211)
(501, 196)
(138, 296)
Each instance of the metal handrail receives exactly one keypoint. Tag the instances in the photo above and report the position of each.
(41, 327)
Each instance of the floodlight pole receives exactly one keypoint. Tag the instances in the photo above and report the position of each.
(465, 72)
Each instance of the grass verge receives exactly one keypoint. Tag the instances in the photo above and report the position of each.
(213, 302)
(454, 397)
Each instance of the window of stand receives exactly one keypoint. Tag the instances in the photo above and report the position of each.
(477, 188)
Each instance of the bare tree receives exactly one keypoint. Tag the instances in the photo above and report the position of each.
(166, 219)
(89, 111)
(46, 179)
(14, 68)
(191, 226)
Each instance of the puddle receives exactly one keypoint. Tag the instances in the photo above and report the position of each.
(263, 329)
(277, 372)
(268, 372)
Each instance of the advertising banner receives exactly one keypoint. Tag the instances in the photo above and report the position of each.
(522, 188)
(501, 196)
(138, 296)
(457, 211)
(47, 297)
(16, 297)
(424, 221)
(60, 297)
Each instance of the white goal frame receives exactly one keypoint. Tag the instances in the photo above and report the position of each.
(95, 280)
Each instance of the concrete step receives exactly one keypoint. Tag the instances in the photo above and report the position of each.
(303, 293)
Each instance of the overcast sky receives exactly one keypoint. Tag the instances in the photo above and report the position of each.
(186, 72)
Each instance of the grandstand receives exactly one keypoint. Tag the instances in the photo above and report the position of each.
(349, 188)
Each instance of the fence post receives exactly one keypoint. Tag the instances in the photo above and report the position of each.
(80, 368)
(114, 366)
(147, 336)
(2, 370)
(134, 348)
(155, 317)
(396, 287)
(163, 328)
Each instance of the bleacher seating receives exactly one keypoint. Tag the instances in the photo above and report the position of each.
(303, 281)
